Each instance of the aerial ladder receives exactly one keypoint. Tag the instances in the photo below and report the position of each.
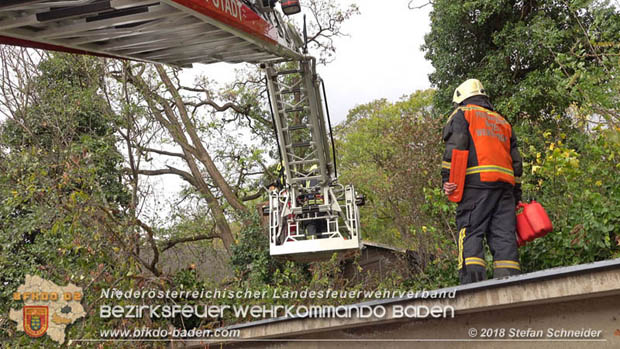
(312, 215)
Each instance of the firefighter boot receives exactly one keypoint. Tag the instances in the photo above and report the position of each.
(472, 273)
(499, 273)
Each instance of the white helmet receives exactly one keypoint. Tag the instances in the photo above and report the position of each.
(471, 87)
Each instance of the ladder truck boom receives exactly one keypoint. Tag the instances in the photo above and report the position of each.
(174, 32)
(313, 215)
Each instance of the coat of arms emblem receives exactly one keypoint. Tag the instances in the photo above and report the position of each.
(35, 320)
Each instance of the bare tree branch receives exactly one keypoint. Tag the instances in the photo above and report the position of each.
(417, 7)
(170, 244)
(158, 151)
(252, 196)
(220, 108)
(171, 170)
(151, 239)
(202, 153)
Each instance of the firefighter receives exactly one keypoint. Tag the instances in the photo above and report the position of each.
(279, 182)
(492, 183)
(315, 227)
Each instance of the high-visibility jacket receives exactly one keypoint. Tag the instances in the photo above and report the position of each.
(313, 198)
(494, 160)
(280, 182)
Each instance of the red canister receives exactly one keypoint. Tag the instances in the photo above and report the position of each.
(525, 232)
(532, 222)
(538, 219)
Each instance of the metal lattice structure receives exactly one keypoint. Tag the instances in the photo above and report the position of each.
(183, 32)
(312, 195)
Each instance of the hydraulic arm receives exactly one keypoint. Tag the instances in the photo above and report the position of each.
(312, 215)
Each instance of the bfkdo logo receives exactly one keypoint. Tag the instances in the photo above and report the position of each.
(48, 308)
(35, 320)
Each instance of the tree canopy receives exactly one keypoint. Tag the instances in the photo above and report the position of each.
(535, 58)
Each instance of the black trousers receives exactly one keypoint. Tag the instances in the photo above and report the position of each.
(490, 213)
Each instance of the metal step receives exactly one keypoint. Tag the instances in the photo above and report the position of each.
(295, 110)
(300, 145)
(287, 72)
(304, 179)
(298, 127)
(304, 162)
(292, 90)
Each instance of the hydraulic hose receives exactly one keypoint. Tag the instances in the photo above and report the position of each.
(331, 134)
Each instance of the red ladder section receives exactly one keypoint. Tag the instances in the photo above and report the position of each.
(175, 32)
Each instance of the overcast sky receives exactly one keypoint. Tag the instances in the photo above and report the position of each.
(380, 59)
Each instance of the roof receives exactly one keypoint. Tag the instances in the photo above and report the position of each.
(554, 273)
(556, 296)
(383, 246)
